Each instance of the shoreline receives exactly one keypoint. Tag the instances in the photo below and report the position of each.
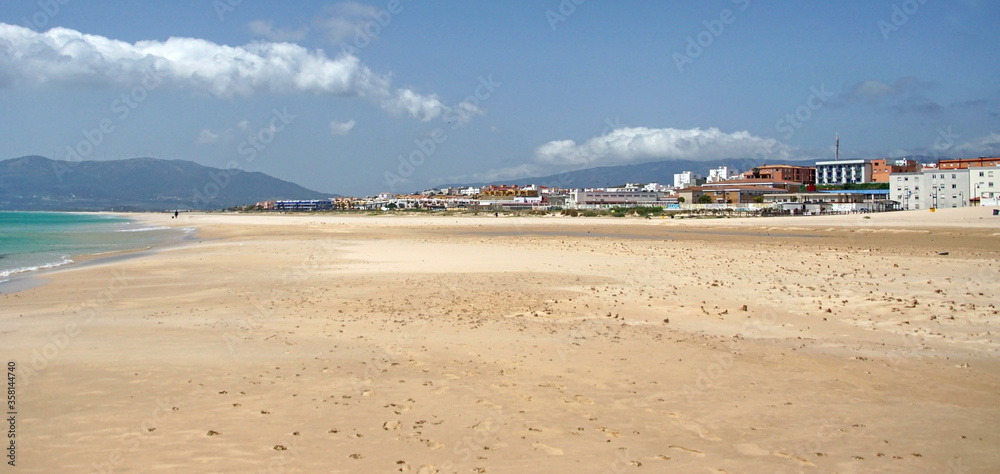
(38, 276)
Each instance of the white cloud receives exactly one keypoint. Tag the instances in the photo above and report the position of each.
(638, 144)
(206, 137)
(341, 128)
(873, 89)
(67, 57)
(267, 30)
(630, 145)
(346, 19)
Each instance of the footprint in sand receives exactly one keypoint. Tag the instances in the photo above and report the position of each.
(751, 449)
(391, 425)
(578, 399)
(697, 429)
(485, 425)
(693, 452)
(547, 449)
(792, 457)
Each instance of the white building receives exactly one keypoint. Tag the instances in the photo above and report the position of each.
(598, 197)
(843, 172)
(931, 188)
(722, 173)
(983, 182)
(686, 179)
(654, 187)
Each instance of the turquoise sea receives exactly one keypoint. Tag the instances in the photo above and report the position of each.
(32, 241)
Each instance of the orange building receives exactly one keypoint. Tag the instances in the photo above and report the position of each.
(506, 191)
(883, 167)
(968, 163)
(798, 174)
(732, 194)
(759, 182)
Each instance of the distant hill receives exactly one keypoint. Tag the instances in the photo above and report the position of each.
(656, 172)
(35, 183)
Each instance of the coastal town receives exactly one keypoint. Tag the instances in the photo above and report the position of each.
(836, 186)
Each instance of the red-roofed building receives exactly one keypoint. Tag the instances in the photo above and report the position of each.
(759, 182)
(968, 163)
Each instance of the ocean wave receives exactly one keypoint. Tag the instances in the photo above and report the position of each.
(144, 229)
(13, 271)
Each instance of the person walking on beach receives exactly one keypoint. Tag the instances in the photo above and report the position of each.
(175, 215)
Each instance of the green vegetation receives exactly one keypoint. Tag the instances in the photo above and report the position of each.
(704, 199)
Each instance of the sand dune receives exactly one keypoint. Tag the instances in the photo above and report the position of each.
(478, 344)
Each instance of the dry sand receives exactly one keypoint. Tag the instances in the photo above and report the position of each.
(475, 344)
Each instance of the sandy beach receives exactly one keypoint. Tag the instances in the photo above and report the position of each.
(322, 343)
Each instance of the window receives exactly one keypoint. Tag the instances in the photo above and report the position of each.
(954, 186)
(954, 176)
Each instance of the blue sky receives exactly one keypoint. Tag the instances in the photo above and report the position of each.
(365, 97)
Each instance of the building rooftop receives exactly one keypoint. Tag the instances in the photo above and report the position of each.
(855, 191)
(737, 187)
(750, 181)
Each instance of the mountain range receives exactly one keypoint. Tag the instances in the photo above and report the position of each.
(654, 172)
(35, 183)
